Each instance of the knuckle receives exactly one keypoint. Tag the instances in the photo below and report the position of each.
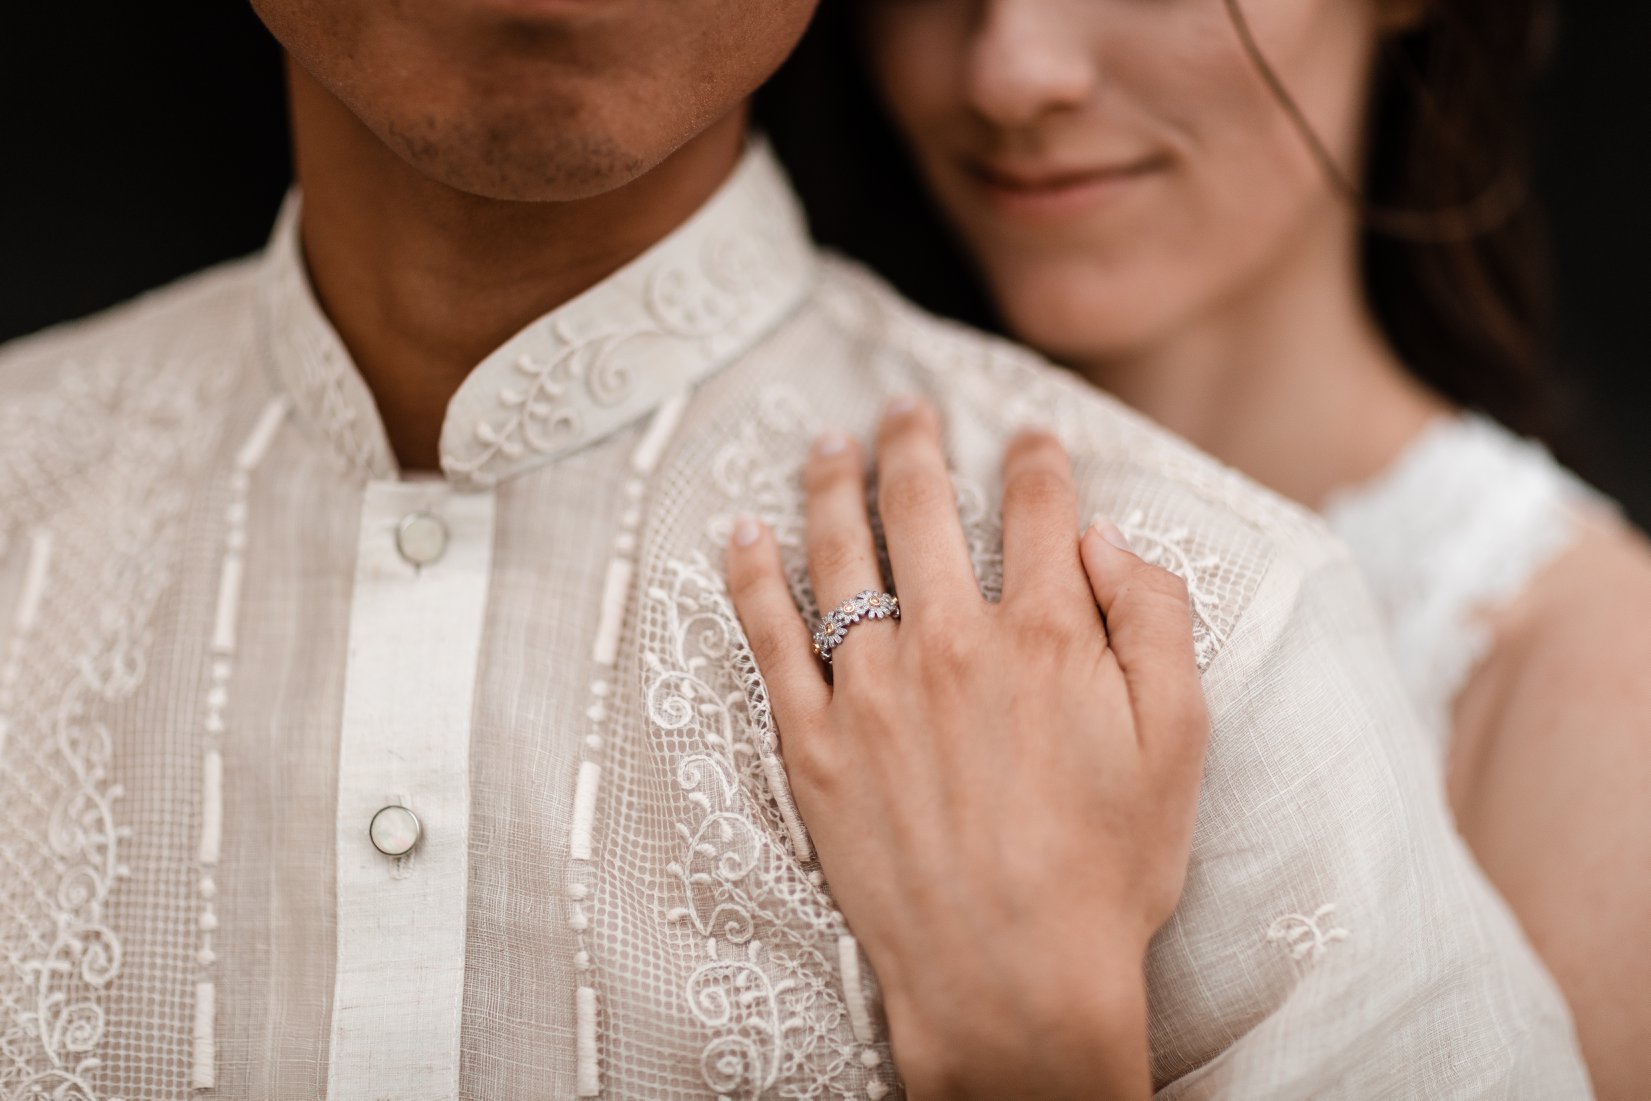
(946, 657)
(1045, 623)
(1039, 486)
(811, 765)
(767, 640)
(1159, 583)
(746, 583)
(836, 554)
(908, 489)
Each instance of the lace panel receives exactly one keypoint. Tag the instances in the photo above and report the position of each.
(77, 1009)
(1456, 526)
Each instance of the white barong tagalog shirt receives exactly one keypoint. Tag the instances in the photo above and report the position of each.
(319, 778)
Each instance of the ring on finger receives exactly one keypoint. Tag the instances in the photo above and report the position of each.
(834, 625)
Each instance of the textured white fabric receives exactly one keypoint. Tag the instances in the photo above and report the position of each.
(1456, 527)
(415, 636)
(642, 915)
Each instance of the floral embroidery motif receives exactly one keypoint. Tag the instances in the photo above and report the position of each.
(1308, 936)
(768, 990)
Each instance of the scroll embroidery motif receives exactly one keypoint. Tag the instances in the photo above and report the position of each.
(1172, 551)
(1308, 936)
(768, 987)
(692, 305)
(63, 948)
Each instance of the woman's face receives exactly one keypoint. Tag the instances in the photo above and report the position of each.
(1118, 168)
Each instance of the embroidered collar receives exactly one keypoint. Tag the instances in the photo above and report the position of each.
(693, 302)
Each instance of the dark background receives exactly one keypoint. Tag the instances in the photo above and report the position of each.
(141, 142)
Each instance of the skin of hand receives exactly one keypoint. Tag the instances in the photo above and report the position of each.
(1001, 794)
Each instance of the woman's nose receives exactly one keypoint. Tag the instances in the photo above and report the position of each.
(1028, 59)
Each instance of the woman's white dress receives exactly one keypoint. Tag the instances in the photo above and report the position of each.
(1458, 526)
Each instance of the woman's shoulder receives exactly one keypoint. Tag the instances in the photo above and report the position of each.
(1571, 650)
(1460, 525)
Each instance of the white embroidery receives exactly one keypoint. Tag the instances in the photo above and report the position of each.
(27, 615)
(604, 653)
(149, 431)
(770, 988)
(1308, 936)
(225, 619)
(1174, 551)
(654, 328)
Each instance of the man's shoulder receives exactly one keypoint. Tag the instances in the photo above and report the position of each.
(1013, 386)
(1182, 508)
(157, 364)
(194, 313)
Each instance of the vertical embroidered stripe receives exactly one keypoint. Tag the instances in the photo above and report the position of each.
(229, 599)
(25, 617)
(225, 624)
(204, 1066)
(590, 1074)
(780, 785)
(614, 591)
(409, 684)
(212, 806)
(34, 579)
(659, 432)
(584, 809)
(258, 441)
(859, 1012)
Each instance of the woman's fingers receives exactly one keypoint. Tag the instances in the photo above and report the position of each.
(842, 556)
(915, 498)
(1040, 517)
(1149, 626)
(778, 636)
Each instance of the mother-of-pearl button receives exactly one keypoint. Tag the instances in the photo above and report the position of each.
(394, 830)
(421, 537)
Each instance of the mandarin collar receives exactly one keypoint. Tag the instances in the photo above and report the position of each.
(691, 303)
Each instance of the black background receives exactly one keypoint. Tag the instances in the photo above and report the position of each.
(142, 142)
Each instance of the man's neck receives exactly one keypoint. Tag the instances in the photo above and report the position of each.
(422, 281)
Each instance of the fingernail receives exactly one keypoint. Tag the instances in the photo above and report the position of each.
(1109, 531)
(831, 443)
(900, 406)
(746, 531)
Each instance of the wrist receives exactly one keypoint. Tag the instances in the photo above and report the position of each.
(1075, 1029)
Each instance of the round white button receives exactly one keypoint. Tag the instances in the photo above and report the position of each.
(394, 830)
(421, 537)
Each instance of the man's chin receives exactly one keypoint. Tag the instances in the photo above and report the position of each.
(495, 164)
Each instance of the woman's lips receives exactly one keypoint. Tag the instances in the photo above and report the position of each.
(1036, 193)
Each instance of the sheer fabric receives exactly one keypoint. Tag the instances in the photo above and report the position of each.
(216, 660)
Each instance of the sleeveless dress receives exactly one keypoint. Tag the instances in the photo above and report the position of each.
(1456, 527)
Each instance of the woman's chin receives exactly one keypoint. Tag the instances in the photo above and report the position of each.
(1096, 329)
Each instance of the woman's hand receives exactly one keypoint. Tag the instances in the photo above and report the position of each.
(1001, 795)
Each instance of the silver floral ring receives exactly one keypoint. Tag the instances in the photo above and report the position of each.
(834, 625)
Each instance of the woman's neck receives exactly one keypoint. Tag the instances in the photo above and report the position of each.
(1290, 381)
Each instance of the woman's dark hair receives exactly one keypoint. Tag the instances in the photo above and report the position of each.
(1453, 256)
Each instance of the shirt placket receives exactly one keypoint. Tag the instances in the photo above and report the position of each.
(423, 562)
